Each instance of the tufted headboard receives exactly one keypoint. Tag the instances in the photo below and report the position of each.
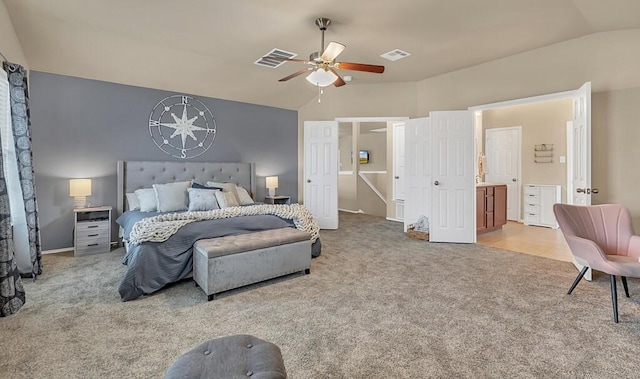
(133, 175)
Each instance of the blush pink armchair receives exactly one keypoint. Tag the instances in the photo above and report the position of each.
(601, 237)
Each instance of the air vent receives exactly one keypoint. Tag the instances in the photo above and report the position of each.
(394, 55)
(273, 63)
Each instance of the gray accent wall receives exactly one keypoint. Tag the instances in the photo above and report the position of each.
(82, 127)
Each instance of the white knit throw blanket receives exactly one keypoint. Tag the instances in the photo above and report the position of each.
(159, 228)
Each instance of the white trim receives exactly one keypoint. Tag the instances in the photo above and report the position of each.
(372, 172)
(523, 101)
(370, 119)
(55, 251)
(349, 211)
(394, 219)
(345, 172)
(372, 186)
(65, 249)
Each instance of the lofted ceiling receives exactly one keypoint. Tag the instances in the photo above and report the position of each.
(207, 47)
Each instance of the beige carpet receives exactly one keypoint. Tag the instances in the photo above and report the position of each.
(376, 305)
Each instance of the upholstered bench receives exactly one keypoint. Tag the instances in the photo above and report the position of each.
(225, 263)
(238, 356)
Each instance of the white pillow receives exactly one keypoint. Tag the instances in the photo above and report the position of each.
(147, 199)
(202, 199)
(226, 199)
(132, 201)
(172, 197)
(243, 196)
(226, 187)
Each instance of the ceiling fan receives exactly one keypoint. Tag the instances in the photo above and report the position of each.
(323, 66)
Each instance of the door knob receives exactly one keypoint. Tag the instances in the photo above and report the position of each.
(514, 180)
(396, 177)
(580, 190)
(595, 191)
(436, 182)
(308, 180)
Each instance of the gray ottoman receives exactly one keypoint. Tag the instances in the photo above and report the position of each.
(238, 356)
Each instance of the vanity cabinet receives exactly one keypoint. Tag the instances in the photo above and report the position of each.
(491, 207)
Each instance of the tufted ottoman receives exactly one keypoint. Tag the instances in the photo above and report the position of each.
(238, 356)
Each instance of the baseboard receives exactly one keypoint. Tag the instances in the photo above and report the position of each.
(394, 219)
(350, 211)
(65, 249)
(55, 251)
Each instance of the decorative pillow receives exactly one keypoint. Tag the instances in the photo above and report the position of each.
(202, 199)
(172, 197)
(132, 201)
(226, 187)
(226, 199)
(200, 186)
(147, 199)
(243, 196)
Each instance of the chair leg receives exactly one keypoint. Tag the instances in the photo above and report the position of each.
(614, 298)
(624, 284)
(578, 278)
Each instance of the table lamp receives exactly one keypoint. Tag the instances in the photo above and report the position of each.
(272, 184)
(79, 189)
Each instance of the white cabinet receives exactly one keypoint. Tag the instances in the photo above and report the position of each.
(538, 204)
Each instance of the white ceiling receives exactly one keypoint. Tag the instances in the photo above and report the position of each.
(208, 48)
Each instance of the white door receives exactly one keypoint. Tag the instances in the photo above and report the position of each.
(503, 150)
(580, 185)
(453, 216)
(321, 171)
(418, 170)
(579, 188)
(398, 162)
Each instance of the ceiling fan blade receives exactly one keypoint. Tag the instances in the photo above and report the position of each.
(360, 67)
(275, 58)
(339, 82)
(332, 51)
(304, 70)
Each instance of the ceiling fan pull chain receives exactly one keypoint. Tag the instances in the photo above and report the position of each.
(319, 93)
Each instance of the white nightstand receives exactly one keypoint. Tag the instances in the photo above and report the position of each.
(92, 230)
(277, 199)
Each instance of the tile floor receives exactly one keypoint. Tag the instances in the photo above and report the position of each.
(535, 240)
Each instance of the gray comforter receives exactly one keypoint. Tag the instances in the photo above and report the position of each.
(153, 265)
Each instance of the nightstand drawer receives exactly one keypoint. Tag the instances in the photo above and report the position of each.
(93, 246)
(92, 234)
(531, 218)
(92, 226)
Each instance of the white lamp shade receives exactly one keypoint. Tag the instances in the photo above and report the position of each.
(272, 182)
(79, 187)
(322, 78)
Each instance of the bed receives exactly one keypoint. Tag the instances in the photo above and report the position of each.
(153, 265)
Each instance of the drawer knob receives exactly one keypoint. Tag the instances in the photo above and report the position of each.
(92, 244)
(93, 235)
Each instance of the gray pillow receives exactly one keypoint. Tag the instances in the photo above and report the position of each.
(132, 201)
(202, 199)
(172, 197)
(147, 199)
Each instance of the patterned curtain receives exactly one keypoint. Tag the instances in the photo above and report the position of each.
(20, 123)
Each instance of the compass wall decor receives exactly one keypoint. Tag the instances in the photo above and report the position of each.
(182, 126)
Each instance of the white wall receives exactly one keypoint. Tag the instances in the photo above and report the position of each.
(9, 44)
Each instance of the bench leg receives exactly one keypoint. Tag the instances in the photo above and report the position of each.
(210, 297)
(307, 271)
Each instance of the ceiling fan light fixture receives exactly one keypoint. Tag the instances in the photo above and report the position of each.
(322, 78)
